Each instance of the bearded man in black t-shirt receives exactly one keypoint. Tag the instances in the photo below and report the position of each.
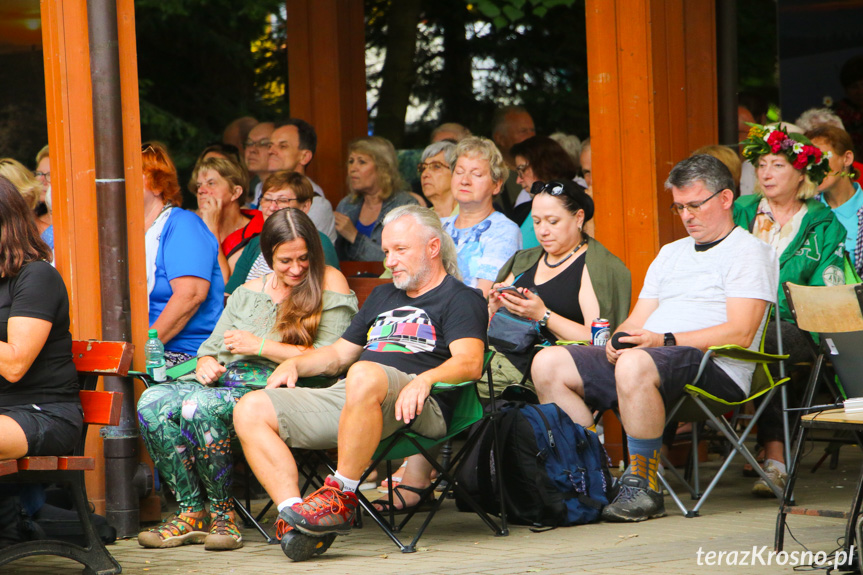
(425, 327)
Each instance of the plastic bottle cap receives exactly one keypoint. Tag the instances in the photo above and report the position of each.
(153, 334)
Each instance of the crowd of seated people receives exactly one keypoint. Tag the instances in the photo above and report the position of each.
(249, 283)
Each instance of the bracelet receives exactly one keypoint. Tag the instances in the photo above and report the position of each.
(261, 349)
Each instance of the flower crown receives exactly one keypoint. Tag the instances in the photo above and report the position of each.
(763, 140)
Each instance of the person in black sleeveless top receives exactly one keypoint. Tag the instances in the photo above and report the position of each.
(557, 282)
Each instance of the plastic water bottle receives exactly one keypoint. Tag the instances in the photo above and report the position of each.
(155, 354)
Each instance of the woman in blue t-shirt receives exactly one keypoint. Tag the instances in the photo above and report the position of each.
(839, 190)
(184, 281)
(40, 413)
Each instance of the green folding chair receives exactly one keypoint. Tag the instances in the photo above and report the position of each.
(696, 405)
(468, 414)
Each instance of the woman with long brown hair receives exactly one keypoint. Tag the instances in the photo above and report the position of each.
(40, 413)
(187, 425)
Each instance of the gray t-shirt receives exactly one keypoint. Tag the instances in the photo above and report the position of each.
(692, 288)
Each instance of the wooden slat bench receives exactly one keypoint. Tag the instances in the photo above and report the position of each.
(92, 360)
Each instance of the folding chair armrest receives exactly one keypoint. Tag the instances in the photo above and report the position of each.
(744, 354)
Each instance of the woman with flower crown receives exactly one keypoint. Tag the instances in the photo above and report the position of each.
(810, 242)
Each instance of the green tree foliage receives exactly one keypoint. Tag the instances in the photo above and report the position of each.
(202, 63)
(471, 58)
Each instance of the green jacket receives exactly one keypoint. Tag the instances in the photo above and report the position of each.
(611, 281)
(815, 257)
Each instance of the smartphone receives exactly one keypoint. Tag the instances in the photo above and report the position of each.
(511, 290)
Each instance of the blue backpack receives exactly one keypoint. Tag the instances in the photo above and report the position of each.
(554, 471)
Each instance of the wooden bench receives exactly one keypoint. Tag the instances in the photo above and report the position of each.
(92, 360)
(362, 269)
(363, 287)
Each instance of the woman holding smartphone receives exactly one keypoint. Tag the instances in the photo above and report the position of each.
(565, 283)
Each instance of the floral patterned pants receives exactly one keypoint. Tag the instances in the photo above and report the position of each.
(187, 429)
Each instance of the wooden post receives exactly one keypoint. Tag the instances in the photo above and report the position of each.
(652, 88)
(327, 82)
(653, 100)
(73, 186)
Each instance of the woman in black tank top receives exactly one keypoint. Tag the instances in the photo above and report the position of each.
(557, 289)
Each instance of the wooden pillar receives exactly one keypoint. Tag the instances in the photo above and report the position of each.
(652, 88)
(653, 100)
(73, 188)
(327, 81)
(69, 101)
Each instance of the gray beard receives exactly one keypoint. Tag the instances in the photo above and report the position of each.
(416, 280)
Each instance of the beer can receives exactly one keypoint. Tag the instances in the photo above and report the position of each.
(600, 331)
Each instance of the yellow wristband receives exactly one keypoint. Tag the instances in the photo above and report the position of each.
(261, 349)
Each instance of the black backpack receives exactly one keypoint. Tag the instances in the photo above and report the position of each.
(555, 472)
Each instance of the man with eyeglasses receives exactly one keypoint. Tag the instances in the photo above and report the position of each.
(711, 288)
(256, 154)
(292, 146)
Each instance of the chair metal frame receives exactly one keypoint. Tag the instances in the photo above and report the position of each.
(839, 312)
(696, 405)
(405, 443)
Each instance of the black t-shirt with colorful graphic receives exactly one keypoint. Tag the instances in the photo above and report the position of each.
(413, 334)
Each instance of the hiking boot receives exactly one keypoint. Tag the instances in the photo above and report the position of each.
(762, 489)
(634, 502)
(224, 534)
(175, 531)
(299, 546)
(327, 510)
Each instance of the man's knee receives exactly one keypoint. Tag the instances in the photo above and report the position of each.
(634, 371)
(547, 364)
(552, 367)
(253, 411)
(365, 381)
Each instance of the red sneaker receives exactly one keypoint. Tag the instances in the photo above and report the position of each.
(327, 510)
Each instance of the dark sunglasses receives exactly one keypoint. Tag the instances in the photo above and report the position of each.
(551, 188)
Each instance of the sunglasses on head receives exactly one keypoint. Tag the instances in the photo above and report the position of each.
(551, 188)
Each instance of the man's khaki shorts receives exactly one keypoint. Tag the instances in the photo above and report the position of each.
(309, 418)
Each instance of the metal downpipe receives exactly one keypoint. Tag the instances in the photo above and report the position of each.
(726, 70)
(121, 441)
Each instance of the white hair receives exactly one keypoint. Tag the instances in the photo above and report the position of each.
(429, 220)
(817, 117)
(570, 143)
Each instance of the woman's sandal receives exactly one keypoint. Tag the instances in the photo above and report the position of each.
(425, 502)
(175, 531)
(748, 471)
(396, 479)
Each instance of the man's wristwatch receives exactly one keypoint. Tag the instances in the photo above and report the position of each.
(669, 340)
(544, 321)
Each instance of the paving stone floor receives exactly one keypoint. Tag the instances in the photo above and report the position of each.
(457, 543)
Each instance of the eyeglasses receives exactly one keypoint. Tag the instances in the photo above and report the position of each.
(433, 166)
(551, 188)
(281, 201)
(260, 144)
(693, 207)
(46, 175)
(521, 169)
